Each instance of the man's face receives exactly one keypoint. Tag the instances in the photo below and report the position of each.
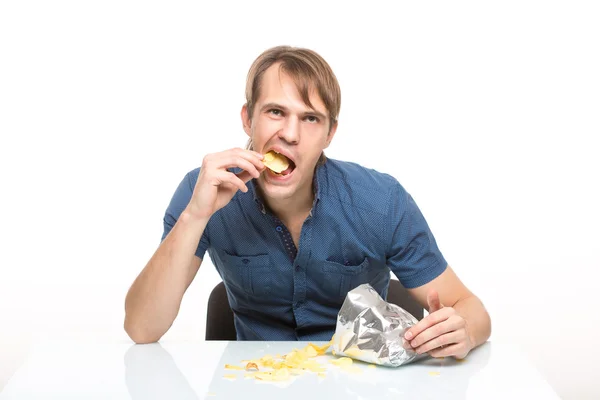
(283, 123)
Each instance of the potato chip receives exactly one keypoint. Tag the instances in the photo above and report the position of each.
(434, 373)
(234, 367)
(278, 375)
(251, 366)
(311, 351)
(343, 361)
(321, 349)
(353, 352)
(276, 162)
(267, 361)
(230, 376)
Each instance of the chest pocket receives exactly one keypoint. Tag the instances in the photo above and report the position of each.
(341, 278)
(252, 274)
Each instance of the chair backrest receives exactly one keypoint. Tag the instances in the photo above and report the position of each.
(219, 317)
(399, 296)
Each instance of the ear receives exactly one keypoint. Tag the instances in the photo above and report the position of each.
(246, 121)
(331, 134)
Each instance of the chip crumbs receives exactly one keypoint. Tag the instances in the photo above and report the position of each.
(296, 362)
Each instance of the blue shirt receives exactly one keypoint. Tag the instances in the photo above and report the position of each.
(362, 225)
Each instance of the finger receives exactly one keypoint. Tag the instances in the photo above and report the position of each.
(428, 321)
(245, 176)
(224, 177)
(254, 157)
(452, 324)
(453, 350)
(242, 162)
(439, 341)
(433, 301)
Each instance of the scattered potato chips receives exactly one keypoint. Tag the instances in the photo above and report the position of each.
(295, 363)
(276, 162)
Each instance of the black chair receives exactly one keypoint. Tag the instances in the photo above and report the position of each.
(219, 317)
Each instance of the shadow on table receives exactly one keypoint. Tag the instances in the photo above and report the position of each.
(151, 373)
(426, 379)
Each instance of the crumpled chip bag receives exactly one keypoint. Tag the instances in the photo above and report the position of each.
(372, 330)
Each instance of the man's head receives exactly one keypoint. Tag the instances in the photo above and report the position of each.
(292, 106)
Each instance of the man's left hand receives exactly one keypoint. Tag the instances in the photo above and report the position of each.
(442, 333)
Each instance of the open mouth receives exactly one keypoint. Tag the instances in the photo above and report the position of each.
(278, 164)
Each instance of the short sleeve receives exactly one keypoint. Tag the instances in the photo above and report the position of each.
(178, 203)
(413, 254)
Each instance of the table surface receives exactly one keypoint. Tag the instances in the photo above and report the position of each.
(195, 370)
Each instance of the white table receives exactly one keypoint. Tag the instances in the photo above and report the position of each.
(194, 370)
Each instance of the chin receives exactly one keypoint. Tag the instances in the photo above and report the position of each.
(276, 191)
(279, 187)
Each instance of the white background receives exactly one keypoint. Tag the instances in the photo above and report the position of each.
(487, 114)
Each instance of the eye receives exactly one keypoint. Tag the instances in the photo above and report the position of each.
(312, 119)
(275, 112)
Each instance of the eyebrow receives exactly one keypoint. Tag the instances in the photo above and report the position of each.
(311, 112)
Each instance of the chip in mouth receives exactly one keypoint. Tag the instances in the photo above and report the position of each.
(278, 163)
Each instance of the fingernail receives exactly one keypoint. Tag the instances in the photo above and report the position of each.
(408, 335)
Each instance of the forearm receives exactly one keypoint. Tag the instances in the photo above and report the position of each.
(479, 326)
(153, 300)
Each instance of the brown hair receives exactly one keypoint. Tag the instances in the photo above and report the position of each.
(308, 70)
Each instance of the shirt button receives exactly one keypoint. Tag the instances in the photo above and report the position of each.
(298, 268)
(279, 229)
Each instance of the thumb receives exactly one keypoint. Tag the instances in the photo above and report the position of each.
(433, 301)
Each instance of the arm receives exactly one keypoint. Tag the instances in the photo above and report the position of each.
(153, 300)
(457, 323)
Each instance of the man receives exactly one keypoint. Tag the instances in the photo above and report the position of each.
(290, 245)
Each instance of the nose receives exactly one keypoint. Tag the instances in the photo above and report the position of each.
(290, 131)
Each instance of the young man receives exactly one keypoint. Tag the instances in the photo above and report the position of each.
(290, 245)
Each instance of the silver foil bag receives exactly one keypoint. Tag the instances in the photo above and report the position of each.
(372, 330)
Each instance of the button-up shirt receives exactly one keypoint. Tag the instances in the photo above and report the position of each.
(362, 224)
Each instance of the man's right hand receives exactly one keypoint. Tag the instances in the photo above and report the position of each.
(216, 186)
